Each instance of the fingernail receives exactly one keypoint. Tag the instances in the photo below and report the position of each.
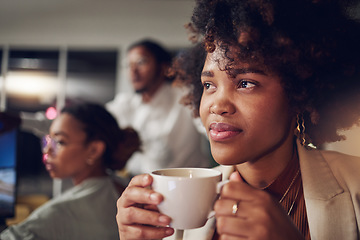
(146, 179)
(154, 197)
(169, 231)
(164, 219)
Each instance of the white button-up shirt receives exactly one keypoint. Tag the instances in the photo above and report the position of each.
(166, 127)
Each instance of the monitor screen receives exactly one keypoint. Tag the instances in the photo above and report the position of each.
(8, 178)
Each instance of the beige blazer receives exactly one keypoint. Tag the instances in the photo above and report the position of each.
(331, 182)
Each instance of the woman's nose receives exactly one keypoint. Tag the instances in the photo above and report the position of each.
(222, 105)
(45, 144)
(46, 148)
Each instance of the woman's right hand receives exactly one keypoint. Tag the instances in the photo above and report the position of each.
(137, 213)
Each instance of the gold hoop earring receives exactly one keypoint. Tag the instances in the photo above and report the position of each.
(301, 129)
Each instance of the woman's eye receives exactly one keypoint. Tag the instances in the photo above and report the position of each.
(246, 84)
(208, 85)
(60, 142)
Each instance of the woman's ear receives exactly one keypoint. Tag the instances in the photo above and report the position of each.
(96, 150)
(165, 68)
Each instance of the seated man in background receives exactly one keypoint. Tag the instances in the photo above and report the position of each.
(167, 130)
(85, 144)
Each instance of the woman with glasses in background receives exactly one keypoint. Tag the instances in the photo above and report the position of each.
(85, 144)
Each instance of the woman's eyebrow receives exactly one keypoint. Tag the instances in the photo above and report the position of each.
(60, 133)
(237, 71)
(207, 74)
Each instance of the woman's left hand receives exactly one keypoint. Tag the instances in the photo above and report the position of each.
(258, 215)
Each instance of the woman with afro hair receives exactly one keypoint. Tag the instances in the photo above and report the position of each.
(271, 80)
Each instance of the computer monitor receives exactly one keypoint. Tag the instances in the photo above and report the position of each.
(8, 160)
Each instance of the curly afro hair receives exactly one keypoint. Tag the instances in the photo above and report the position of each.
(313, 45)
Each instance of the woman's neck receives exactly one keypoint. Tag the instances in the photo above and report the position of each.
(96, 172)
(264, 171)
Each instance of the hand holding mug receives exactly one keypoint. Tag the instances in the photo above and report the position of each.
(244, 212)
(137, 214)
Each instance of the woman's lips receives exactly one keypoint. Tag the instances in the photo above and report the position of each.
(222, 131)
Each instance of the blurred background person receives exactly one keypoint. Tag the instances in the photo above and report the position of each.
(167, 130)
(84, 144)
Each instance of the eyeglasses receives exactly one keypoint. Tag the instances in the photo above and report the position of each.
(48, 142)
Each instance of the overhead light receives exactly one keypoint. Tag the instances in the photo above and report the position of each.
(31, 84)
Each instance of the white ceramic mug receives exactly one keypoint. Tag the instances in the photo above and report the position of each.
(189, 194)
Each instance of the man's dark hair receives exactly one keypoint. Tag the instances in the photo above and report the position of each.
(159, 52)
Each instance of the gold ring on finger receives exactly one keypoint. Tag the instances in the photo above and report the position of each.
(235, 208)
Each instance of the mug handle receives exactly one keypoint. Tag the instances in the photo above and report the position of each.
(219, 186)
